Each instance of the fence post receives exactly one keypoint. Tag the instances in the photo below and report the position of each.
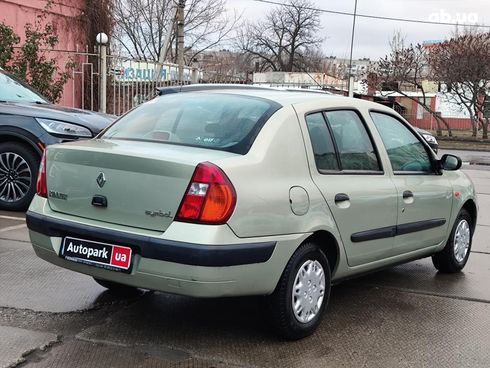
(102, 40)
(195, 76)
(195, 72)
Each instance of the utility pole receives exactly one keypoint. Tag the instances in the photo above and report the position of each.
(351, 78)
(180, 39)
(166, 43)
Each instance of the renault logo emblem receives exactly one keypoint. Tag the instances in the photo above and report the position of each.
(101, 180)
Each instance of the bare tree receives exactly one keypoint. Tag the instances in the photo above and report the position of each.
(463, 64)
(141, 26)
(285, 38)
(406, 67)
(225, 66)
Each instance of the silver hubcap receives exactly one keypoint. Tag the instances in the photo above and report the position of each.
(462, 238)
(15, 177)
(308, 291)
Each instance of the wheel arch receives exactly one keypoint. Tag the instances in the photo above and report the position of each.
(329, 246)
(6, 137)
(470, 206)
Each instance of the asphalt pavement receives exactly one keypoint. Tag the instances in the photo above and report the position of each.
(404, 316)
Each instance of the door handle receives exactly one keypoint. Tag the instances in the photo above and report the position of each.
(407, 194)
(341, 197)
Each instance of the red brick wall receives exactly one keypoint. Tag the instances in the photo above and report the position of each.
(65, 16)
(428, 122)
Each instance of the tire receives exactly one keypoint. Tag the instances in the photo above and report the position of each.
(455, 254)
(115, 287)
(19, 165)
(293, 325)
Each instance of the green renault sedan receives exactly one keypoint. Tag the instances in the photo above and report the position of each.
(230, 191)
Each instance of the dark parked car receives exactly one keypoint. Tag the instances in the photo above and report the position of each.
(28, 123)
(429, 138)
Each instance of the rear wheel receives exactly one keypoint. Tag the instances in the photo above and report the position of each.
(457, 250)
(19, 165)
(302, 293)
(115, 287)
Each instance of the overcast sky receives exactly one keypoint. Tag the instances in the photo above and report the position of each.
(372, 35)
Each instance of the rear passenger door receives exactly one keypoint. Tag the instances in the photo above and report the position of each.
(424, 196)
(362, 197)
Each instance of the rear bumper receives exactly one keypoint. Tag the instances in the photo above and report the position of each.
(155, 248)
(212, 263)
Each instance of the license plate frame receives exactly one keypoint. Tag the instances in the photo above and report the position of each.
(99, 254)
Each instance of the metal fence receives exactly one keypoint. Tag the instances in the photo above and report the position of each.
(132, 82)
(85, 77)
(428, 122)
(127, 82)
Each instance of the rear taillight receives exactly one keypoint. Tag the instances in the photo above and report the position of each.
(210, 197)
(41, 189)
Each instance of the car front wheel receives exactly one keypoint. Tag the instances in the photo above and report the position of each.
(19, 165)
(457, 250)
(302, 293)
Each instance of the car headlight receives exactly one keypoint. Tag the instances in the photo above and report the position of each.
(430, 138)
(60, 127)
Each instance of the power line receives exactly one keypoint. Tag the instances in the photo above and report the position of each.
(368, 16)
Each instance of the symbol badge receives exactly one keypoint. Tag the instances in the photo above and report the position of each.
(101, 180)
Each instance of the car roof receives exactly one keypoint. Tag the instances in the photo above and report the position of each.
(282, 96)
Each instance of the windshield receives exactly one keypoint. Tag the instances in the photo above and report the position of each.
(13, 91)
(210, 120)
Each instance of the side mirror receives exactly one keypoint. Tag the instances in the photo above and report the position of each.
(450, 163)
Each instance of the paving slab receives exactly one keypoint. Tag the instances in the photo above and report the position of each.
(482, 185)
(10, 222)
(481, 239)
(82, 354)
(7, 246)
(483, 209)
(365, 326)
(481, 180)
(15, 343)
(475, 172)
(17, 232)
(29, 282)
(10, 214)
(17, 235)
(13, 227)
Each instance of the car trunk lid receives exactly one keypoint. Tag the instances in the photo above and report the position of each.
(131, 183)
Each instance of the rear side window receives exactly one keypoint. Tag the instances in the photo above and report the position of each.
(216, 121)
(321, 141)
(354, 145)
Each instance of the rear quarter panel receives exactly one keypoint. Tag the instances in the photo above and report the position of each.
(263, 178)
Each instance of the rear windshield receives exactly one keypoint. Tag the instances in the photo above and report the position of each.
(216, 121)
